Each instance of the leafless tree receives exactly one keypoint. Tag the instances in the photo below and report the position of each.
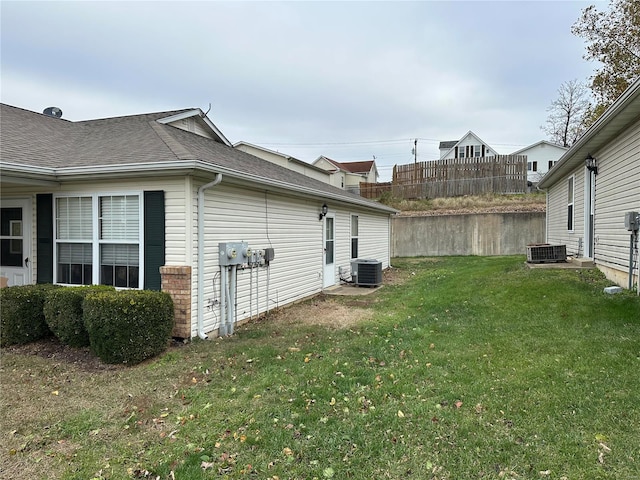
(566, 119)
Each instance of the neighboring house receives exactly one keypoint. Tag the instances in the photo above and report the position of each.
(470, 145)
(586, 206)
(284, 160)
(145, 201)
(348, 175)
(541, 156)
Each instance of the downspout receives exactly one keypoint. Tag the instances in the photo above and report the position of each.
(201, 190)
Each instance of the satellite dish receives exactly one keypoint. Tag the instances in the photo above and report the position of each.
(53, 112)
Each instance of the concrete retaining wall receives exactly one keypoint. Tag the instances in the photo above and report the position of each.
(469, 234)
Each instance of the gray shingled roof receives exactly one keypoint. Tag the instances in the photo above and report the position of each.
(448, 144)
(32, 139)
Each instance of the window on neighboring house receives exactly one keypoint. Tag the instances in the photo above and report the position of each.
(477, 151)
(570, 197)
(354, 236)
(551, 164)
(532, 166)
(98, 240)
(461, 152)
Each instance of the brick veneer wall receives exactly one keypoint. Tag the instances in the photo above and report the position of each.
(176, 281)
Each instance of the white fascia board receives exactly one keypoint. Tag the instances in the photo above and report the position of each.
(196, 112)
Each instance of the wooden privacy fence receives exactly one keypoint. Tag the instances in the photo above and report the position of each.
(454, 177)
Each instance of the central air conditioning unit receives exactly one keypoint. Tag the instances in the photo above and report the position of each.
(546, 253)
(366, 272)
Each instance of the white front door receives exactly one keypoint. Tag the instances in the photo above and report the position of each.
(328, 257)
(15, 241)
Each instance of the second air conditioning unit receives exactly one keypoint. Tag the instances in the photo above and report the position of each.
(366, 272)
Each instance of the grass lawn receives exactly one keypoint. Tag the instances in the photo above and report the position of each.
(474, 368)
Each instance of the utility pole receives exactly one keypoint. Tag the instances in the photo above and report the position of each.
(415, 161)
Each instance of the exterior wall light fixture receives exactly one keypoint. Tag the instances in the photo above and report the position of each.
(591, 164)
(324, 211)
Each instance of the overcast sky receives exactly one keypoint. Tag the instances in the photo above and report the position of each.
(348, 80)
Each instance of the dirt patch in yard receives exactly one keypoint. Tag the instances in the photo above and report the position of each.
(337, 312)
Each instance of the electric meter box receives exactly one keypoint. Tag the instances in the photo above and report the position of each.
(632, 221)
(234, 253)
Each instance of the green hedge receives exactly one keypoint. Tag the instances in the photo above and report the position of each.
(64, 316)
(22, 315)
(128, 326)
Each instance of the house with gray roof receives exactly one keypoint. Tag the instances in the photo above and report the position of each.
(163, 201)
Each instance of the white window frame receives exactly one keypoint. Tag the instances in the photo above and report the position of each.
(477, 151)
(96, 242)
(571, 197)
(355, 237)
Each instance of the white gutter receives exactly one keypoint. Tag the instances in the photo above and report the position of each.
(201, 190)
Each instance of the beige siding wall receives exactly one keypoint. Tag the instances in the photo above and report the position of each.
(192, 125)
(617, 192)
(300, 167)
(292, 228)
(557, 202)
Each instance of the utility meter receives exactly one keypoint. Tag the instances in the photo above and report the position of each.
(233, 253)
(632, 221)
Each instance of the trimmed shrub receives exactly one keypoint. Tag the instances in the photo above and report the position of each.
(128, 326)
(22, 314)
(64, 316)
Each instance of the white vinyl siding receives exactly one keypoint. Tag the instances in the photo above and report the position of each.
(263, 220)
(617, 192)
(557, 203)
(291, 227)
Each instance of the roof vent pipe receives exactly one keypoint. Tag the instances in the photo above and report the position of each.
(201, 190)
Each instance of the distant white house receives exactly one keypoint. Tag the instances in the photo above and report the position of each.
(470, 145)
(348, 175)
(541, 156)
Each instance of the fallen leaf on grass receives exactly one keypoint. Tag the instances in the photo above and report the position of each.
(287, 451)
(458, 404)
(400, 414)
(55, 392)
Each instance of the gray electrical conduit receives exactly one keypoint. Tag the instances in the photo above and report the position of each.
(201, 190)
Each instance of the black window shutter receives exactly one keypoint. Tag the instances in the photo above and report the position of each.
(44, 237)
(154, 239)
